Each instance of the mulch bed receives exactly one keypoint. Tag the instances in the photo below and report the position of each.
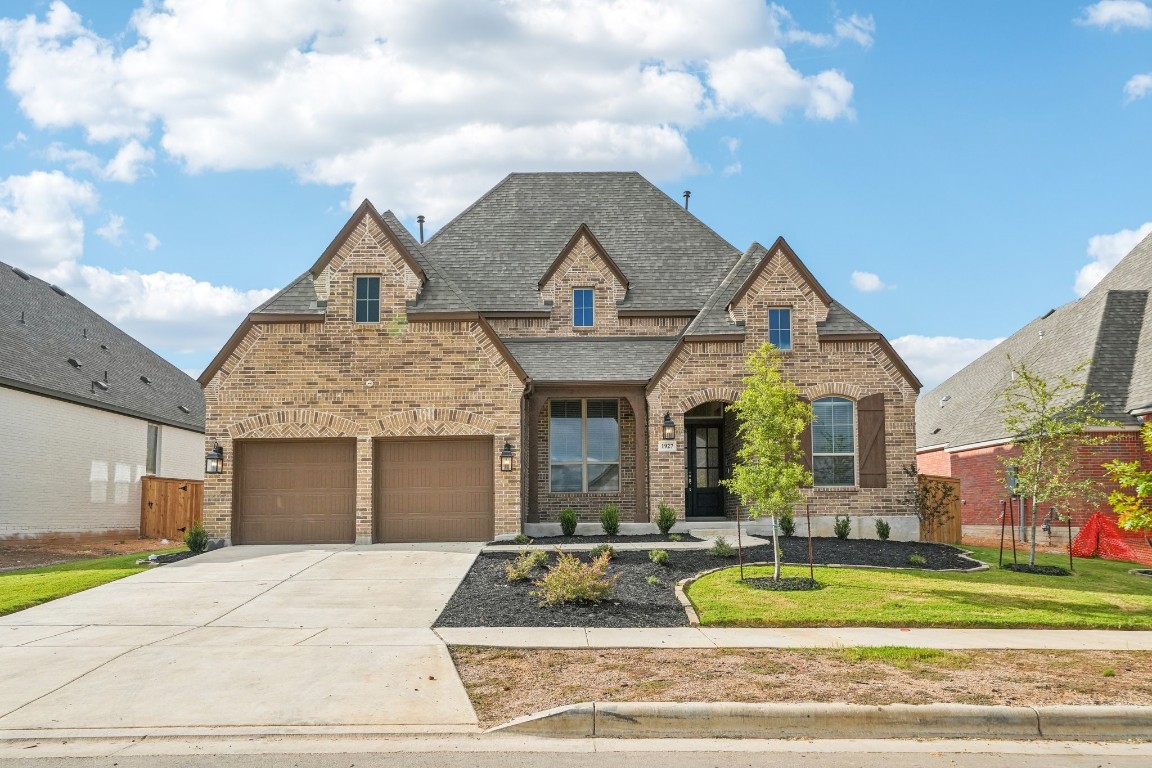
(174, 557)
(486, 599)
(601, 538)
(1041, 570)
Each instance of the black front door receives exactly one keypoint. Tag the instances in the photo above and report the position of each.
(705, 495)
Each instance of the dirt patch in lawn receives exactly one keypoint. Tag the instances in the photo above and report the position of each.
(31, 553)
(508, 683)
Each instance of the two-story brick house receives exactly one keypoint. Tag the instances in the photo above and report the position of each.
(537, 353)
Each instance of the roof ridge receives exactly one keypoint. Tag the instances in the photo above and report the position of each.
(429, 261)
(475, 203)
(717, 292)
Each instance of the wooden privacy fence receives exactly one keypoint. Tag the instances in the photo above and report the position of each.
(168, 505)
(947, 531)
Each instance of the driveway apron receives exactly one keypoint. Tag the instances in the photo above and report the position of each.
(336, 636)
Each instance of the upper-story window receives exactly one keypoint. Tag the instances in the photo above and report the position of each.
(833, 442)
(583, 314)
(367, 299)
(780, 328)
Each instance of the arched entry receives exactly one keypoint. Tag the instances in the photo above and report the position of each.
(706, 461)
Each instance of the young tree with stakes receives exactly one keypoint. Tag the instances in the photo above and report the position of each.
(768, 474)
(1049, 420)
(1134, 509)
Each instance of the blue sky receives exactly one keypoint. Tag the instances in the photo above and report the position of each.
(948, 170)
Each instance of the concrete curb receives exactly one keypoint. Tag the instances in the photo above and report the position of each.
(834, 721)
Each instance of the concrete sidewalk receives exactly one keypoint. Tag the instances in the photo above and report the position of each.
(822, 637)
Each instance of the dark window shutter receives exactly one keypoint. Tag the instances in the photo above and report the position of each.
(806, 443)
(873, 457)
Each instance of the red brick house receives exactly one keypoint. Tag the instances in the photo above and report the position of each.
(530, 357)
(959, 428)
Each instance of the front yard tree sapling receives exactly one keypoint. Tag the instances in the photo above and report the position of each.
(1049, 419)
(1134, 509)
(771, 416)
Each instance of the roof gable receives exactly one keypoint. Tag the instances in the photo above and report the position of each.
(584, 232)
(780, 246)
(366, 209)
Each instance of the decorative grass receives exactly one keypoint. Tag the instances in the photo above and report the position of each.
(1100, 594)
(32, 586)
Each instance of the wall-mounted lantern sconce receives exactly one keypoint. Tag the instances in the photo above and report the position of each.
(506, 457)
(669, 427)
(214, 460)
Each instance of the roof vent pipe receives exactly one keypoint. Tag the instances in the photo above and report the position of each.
(687, 194)
(420, 221)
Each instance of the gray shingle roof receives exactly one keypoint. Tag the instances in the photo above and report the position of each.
(601, 359)
(841, 320)
(34, 355)
(498, 249)
(1111, 326)
(299, 297)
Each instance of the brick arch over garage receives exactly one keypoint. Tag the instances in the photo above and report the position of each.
(709, 395)
(297, 423)
(432, 422)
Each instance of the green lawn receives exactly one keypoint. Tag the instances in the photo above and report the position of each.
(1100, 594)
(32, 586)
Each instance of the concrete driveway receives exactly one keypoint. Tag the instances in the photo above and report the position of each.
(245, 636)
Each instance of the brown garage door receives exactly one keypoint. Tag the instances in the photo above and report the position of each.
(295, 492)
(434, 490)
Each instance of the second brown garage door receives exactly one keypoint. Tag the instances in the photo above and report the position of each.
(295, 492)
(434, 490)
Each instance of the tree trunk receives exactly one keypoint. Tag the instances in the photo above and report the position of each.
(1032, 544)
(775, 551)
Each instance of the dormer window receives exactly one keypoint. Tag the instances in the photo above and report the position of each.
(367, 299)
(780, 328)
(583, 314)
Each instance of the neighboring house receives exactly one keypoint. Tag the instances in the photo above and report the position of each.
(959, 426)
(85, 411)
(564, 320)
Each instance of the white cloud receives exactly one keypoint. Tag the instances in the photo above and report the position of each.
(867, 282)
(40, 219)
(1138, 86)
(113, 231)
(732, 169)
(42, 230)
(1106, 252)
(151, 242)
(422, 106)
(934, 358)
(855, 28)
(1117, 14)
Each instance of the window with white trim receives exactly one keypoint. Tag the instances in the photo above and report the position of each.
(780, 328)
(584, 446)
(367, 299)
(583, 309)
(833, 442)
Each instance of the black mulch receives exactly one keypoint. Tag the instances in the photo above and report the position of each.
(486, 599)
(174, 557)
(602, 538)
(794, 584)
(1042, 570)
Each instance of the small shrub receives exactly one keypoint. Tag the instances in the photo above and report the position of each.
(675, 537)
(917, 559)
(610, 519)
(572, 581)
(787, 523)
(665, 518)
(568, 521)
(655, 581)
(842, 527)
(721, 548)
(1109, 672)
(521, 538)
(883, 530)
(659, 556)
(601, 549)
(196, 538)
(527, 561)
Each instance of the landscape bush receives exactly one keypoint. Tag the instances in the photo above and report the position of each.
(601, 549)
(665, 518)
(573, 581)
(883, 530)
(196, 538)
(521, 538)
(659, 556)
(527, 561)
(675, 537)
(610, 519)
(568, 521)
(787, 523)
(917, 559)
(721, 548)
(842, 527)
